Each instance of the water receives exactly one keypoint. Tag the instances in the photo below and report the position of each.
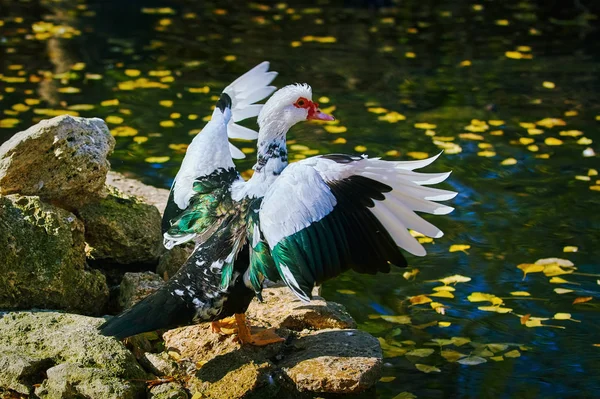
(443, 63)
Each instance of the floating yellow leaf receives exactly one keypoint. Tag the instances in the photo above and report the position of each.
(584, 141)
(571, 133)
(561, 291)
(444, 324)
(530, 268)
(496, 309)
(582, 178)
(423, 352)
(551, 122)
(417, 155)
(470, 136)
(132, 72)
(410, 274)
(425, 126)
(347, 292)
(442, 294)
(410, 54)
(426, 368)
(513, 353)
(377, 110)
(457, 278)
(484, 297)
(570, 248)
(438, 307)
(123, 131)
(465, 63)
(459, 247)
(403, 395)
(582, 299)
(549, 85)
(166, 103)
(401, 319)
(31, 101)
(393, 153)
(168, 123)
(69, 90)
(571, 113)
(508, 162)
(419, 299)
(140, 139)
(157, 159)
(339, 140)
(392, 117)
(553, 141)
(335, 129)
(534, 323)
(175, 115)
(534, 131)
(520, 293)
(451, 355)
(460, 341)
(526, 140)
(562, 316)
(533, 148)
(525, 318)
(486, 154)
(115, 120)
(387, 379)
(108, 103)
(360, 148)
(204, 89)
(558, 280)
(82, 107)
(444, 288)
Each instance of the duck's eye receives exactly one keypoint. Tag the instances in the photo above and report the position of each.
(301, 103)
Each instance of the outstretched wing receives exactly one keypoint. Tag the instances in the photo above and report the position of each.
(331, 213)
(207, 171)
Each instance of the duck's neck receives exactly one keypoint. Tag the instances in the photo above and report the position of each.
(272, 158)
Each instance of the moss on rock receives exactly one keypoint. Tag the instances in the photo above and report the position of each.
(42, 259)
(120, 228)
(78, 361)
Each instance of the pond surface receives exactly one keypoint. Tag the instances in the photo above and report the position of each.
(509, 89)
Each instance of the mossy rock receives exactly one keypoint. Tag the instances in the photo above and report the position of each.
(122, 229)
(42, 259)
(65, 356)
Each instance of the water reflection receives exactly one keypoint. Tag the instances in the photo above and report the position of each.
(481, 79)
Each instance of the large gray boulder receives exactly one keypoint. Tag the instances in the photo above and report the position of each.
(61, 355)
(63, 160)
(42, 259)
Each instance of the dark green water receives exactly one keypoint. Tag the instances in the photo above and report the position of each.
(438, 62)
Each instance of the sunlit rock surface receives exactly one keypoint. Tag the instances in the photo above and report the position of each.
(63, 159)
(42, 259)
(149, 194)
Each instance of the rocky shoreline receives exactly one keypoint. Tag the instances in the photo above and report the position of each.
(71, 232)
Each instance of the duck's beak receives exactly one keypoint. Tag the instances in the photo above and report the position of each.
(315, 114)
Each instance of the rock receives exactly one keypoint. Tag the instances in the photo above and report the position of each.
(159, 364)
(169, 390)
(334, 361)
(122, 229)
(66, 354)
(149, 194)
(62, 159)
(308, 363)
(170, 261)
(282, 309)
(42, 259)
(69, 380)
(137, 286)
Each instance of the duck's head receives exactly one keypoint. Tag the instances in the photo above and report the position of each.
(288, 106)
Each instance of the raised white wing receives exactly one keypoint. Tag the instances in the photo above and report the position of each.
(210, 155)
(327, 214)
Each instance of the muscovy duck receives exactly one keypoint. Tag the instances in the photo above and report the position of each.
(303, 224)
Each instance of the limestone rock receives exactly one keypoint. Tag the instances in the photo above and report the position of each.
(71, 380)
(159, 364)
(63, 159)
(78, 361)
(334, 361)
(42, 259)
(149, 194)
(169, 390)
(325, 361)
(282, 309)
(122, 229)
(137, 286)
(171, 261)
